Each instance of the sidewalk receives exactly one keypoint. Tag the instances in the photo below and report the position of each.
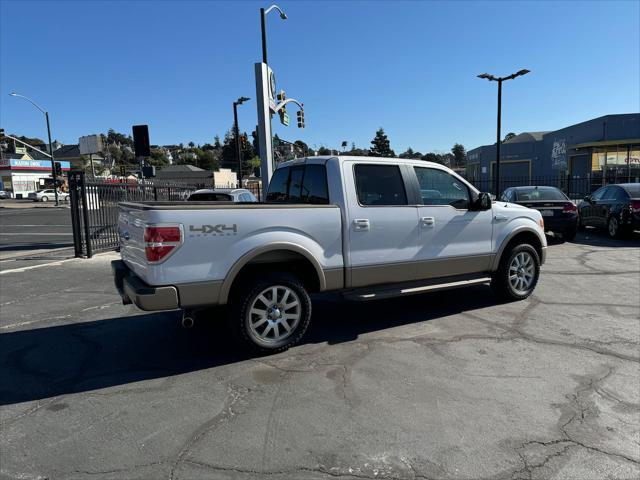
(22, 204)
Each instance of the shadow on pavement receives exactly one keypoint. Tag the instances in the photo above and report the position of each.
(600, 238)
(33, 246)
(80, 357)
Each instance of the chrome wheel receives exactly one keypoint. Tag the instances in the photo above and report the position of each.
(274, 314)
(613, 227)
(522, 272)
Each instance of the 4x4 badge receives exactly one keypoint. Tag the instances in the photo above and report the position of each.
(220, 229)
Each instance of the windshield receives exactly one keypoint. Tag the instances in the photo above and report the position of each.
(539, 193)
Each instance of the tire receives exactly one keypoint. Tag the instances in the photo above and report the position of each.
(570, 235)
(502, 281)
(267, 332)
(45, 199)
(613, 227)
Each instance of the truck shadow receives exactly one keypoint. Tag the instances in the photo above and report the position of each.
(79, 357)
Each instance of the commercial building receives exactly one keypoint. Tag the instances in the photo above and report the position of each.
(602, 150)
(20, 173)
(191, 175)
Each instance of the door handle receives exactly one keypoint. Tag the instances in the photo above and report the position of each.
(427, 221)
(500, 218)
(361, 224)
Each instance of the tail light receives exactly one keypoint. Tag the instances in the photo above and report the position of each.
(635, 206)
(161, 241)
(569, 207)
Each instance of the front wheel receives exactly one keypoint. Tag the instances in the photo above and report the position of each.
(271, 314)
(45, 199)
(517, 274)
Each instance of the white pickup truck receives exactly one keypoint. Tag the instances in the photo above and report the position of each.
(370, 227)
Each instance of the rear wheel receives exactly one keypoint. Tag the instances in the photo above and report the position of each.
(517, 274)
(613, 227)
(45, 199)
(570, 234)
(271, 314)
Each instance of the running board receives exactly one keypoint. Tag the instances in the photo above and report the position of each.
(389, 292)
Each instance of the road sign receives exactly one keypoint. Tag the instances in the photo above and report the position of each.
(285, 119)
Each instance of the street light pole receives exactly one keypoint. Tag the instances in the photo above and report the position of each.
(53, 166)
(263, 26)
(492, 78)
(236, 134)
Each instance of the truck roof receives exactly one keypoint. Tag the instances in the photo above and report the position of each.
(344, 158)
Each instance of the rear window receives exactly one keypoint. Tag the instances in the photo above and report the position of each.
(210, 197)
(539, 193)
(299, 184)
(380, 185)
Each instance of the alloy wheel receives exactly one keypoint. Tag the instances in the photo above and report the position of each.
(274, 314)
(613, 227)
(522, 272)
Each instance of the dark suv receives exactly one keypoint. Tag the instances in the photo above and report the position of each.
(614, 207)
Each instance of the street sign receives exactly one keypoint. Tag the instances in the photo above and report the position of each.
(284, 119)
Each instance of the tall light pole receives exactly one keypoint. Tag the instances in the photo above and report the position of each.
(236, 133)
(492, 78)
(263, 15)
(265, 99)
(53, 167)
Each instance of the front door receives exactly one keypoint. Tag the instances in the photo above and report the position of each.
(454, 239)
(383, 228)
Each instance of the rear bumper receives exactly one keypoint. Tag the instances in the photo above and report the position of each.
(561, 224)
(146, 297)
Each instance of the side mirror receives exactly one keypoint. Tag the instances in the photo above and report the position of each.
(484, 201)
(587, 199)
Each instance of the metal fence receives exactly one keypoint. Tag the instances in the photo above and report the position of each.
(94, 208)
(573, 186)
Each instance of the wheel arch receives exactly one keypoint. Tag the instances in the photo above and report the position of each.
(282, 253)
(519, 235)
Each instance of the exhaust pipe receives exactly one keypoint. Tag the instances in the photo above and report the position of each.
(187, 321)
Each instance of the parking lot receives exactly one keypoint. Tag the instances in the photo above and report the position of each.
(440, 386)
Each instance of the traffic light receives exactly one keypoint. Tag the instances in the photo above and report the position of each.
(300, 118)
(57, 167)
(1, 132)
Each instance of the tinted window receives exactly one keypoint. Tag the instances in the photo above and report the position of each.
(299, 184)
(438, 187)
(599, 193)
(619, 194)
(210, 197)
(314, 185)
(539, 193)
(507, 196)
(380, 185)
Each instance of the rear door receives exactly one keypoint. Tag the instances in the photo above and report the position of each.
(384, 236)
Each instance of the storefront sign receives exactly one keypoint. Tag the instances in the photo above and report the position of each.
(17, 164)
(559, 155)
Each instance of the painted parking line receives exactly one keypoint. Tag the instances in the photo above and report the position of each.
(33, 267)
(28, 234)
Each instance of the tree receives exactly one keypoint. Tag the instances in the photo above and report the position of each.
(191, 144)
(324, 151)
(509, 136)
(431, 157)
(409, 153)
(158, 157)
(381, 145)
(459, 156)
(301, 147)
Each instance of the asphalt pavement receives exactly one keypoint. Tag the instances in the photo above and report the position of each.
(28, 229)
(450, 385)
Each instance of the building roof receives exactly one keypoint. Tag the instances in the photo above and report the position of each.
(181, 168)
(527, 137)
(67, 151)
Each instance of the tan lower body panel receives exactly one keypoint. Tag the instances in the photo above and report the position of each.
(199, 294)
(334, 279)
(422, 270)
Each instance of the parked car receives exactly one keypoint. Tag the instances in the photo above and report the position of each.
(4, 194)
(614, 207)
(47, 195)
(559, 212)
(222, 195)
(369, 227)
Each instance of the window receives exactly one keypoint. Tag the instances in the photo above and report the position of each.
(438, 187)
(618, 194)
(380, 185)
(540, 193)
(507, 196)
(210, 197)
(599, 193)
(299, 184)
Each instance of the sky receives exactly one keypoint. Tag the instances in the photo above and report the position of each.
(407, 66)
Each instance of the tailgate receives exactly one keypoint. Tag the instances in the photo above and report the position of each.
(131, 222)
